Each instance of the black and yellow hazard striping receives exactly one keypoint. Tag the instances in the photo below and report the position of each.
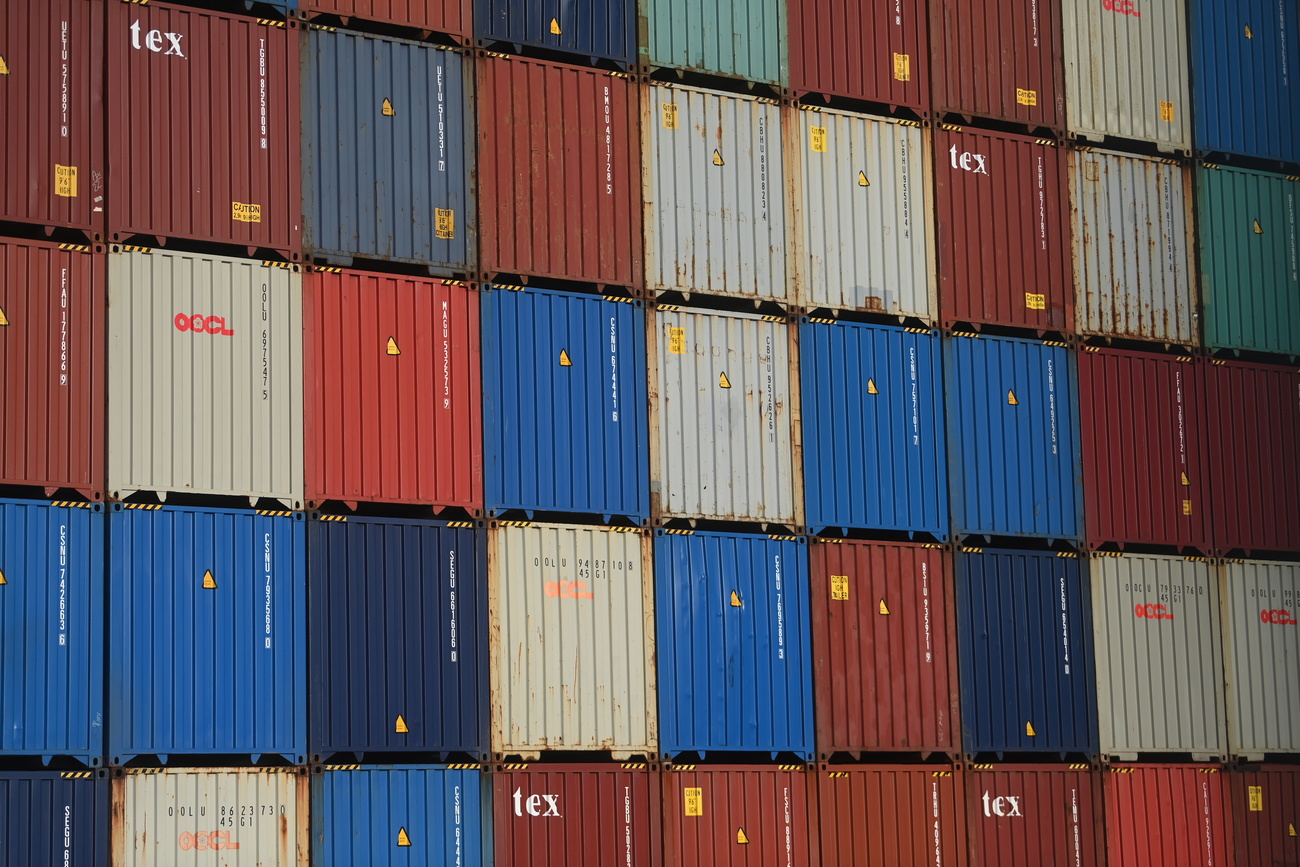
(148, 507)
(274, 513)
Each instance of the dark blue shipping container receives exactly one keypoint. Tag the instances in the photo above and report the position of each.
(52, 819)
(564, 403)
(592, 29)
(1024, 649)
(398, 634)
(873, 444)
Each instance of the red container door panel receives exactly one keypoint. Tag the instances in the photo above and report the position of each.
(1266, 815)
(1032, 815)
(885, 815)
(443, 16)
(1166, 816)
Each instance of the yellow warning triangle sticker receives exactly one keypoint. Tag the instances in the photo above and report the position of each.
(735, 599)
(555, 27)
(1187, 483)
(4, 67)
(862, 180)
(4, 320)
(1029, 730)
(723, 382)
(1292, 828)
(392, 347)
(1250, 34)
(402, 838)
(717, 158)
(400, 727)
(209, 583)
(884, 609)
(388, 110)
(871, 387)
(2, 577)
(1011, 398)
(564, 359)
(741, 838)
(1259, 230)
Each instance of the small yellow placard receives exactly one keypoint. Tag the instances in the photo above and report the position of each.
(902, 67)
(677, 341)
(668, 114)
(1166, 111)
(1256, 795)
(840, 588)
(818, 139)
(1035, 302)
(65, 181)
(1026, 97)
(245, 213)
(694, 801)
(444, 223)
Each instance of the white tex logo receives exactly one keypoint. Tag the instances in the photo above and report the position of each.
(967, 161)
(153, 40)
(1002, 806)
(533, 805)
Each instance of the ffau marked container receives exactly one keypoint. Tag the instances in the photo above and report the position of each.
(205, 377)
(1166, 816)
(213, 159)
(450, 17)
(873, 428)
(884, 641)
(885, 815)
(1034, 815)
(735, 673)
(207, 654)
(53, 305)
(54, 818)
(1003, 230)
(397, 633)
(1266, 814)
(394, 399)
(52, 626)
(715, 188)
(864, 196)
(874, 51)
(559, 170)
(743, 39)
(52, 59)
(1025, 646)
(595, 30)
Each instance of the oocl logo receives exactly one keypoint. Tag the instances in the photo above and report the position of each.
(1152, 612)
(568, 590)
(1277, 617)
(1121, 7)
(200, 324)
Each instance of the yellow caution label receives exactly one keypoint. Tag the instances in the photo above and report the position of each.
(741, 838)
(1259, 230)
(871, 387)
(1029, 730)
(209, 583)
(1035, 302)
(840, 588)
(694, 800)
(677, 341)
(387, 109)
(884, 609)
(392, 347)
(668, 115)
(555, 27)
(1011, 398)
(902, 67)
(1026, 97)
(818, 139)
(4, 320)
(1250, 34)
(735, 600)
(245, 213)
(862, 180)
(564, 359)
(1187, 483)
(3, 580)
(444, 225)
(717, 158)
(1291, 828)
(1187, 507)
(4, 67)
(403, 839)
(723, 382)
(1166, 111)
(400, 726)
(1255, 794)
(65, 181)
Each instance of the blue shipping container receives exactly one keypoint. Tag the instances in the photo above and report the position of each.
(53, 819)
(398, 634)
(873, 445)
(592, 29)
(1024, 650)
(735, 656)
(564, 403)
(207, 654)
(52, 616)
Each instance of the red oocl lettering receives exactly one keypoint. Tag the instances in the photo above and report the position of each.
(204, 840)
(200, 324)
(1122, 7)
(567, 590)
(1152, 612)
(1277, 617)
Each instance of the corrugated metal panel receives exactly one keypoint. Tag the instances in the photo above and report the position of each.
(207, 651)
(394, 402)
(1266, 814)
(1159, 657)
(875, 51)
(53, 305)
(720, 417)
(715, 193)
(1013, 427)
(884, 648)
(594, 29)
(865, 195)
(1026, 652)
(397, 629)
(733, 38)
(387, 151)
(205, 377)
(1126, 71)
(442, 16)
(254, 818)
(873, 428)
(51, 630)
(1034, 815)
(565, 403)
(891, 815)
(1166, 816)
(572, 640)
(734, 653)
(53, 819)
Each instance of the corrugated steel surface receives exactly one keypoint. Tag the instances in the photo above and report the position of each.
(721, 417)
(1025, 646)
(884, 648)
(205, 373)
(1034, 815)
(883, 814)
(442, 16)
(735, 672)
(387, 151)
(54, 819)
(53, 305)
(1013, 429)
(206, 122)
(733, 38)
(1159, 657)
(397, 630)
(593, 29)
(572, 640)
(1004, 230)
(1166, 816)
(1133, 268)
(564, 404)
(865, 197)
(1126, 71)
(393, 404)
(207, 651)
(874, 51)
(1266, 814)
(873, 428)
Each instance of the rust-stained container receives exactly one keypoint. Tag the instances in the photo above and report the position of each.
(559, 172)
(53, 306)
(1034, 815)
(1266, 815)
(450, 17)
(891, 815)
(204, 139)
(393, 390)
(884, 648)
(1167, 816)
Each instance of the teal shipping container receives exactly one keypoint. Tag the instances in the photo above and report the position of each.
(732, 38)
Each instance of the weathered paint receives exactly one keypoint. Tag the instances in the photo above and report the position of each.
(733, 38)
(54, 818)
(1034, 815)
(1166, 816)
(595, 30)
(873, 50)
(883, 814)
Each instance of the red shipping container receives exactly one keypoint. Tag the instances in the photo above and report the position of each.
(204, 139)
(1146, 462)
(884, 648)
(53, 305)
(1033, 815)
(559, 167)
(52, 106)
(451, 17)
(1266, 815)
(887, 815)
(1004, 236)
(577, 815)
(1166, 816)
(393, 392)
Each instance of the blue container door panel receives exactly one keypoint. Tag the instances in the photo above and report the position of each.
(596, 29)
(53, 818)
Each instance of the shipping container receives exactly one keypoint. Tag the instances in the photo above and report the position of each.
(1166, 816)
(1034, 815)
(723, 421)
(572, 642)
(54, 819)
(394, 396)
(204, 377)
(207, 654)
(1126, 71)
(882, 815)
(715, 190)
(875, 455)
(884, 647)
(1004, 230)
(743, 39)
(1025, 647)
(735, 671)
(874, 51)
(564, 405)
(397, 635)
(1013, 432)
(448, 17)
(53, 305)
(595, 30)
(205, 129)
(1266, 814)
(864, 196)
